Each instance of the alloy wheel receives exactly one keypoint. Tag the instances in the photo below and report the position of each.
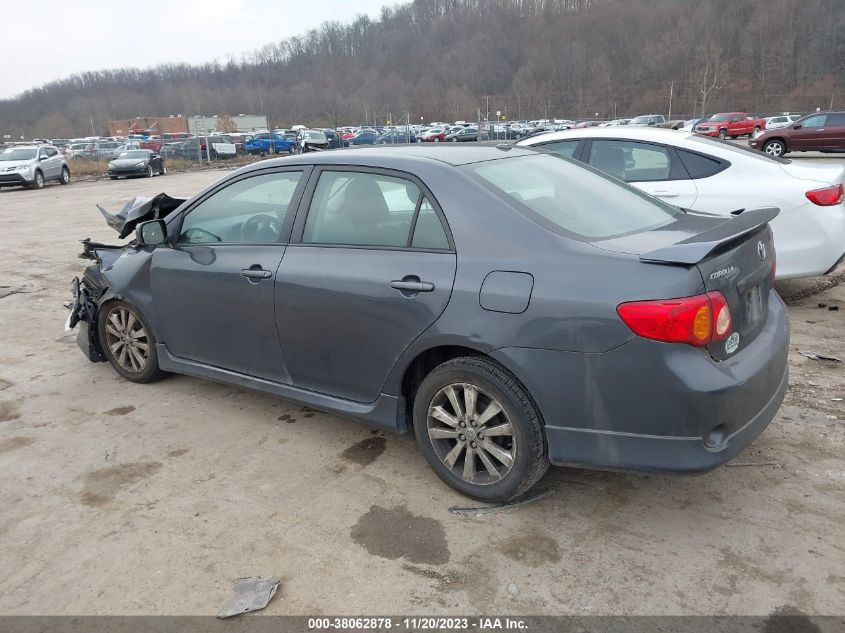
(127, 339)
(774, 149)
(471, 433)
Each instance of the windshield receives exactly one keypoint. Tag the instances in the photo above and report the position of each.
(134, 154)
(719, 117)
(19, 153)
(562, 194)
(640, 119)
(315, 136)
(739, 149)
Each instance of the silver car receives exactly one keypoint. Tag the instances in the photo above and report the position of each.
(32, 166)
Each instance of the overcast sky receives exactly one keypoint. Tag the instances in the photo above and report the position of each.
(82, 35)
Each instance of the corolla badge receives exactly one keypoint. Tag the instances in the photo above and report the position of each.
(761, 250)
(732, 344)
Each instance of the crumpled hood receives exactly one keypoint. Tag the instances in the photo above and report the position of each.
(139, 210)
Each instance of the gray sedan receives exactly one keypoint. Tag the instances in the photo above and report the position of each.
(510, 307)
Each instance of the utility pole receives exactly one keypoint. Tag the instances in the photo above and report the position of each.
(671, 90)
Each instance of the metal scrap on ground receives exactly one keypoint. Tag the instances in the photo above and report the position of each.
(508, 506)
(817, 356)
(251, 594)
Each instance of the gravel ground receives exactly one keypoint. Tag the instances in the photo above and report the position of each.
(128, 499)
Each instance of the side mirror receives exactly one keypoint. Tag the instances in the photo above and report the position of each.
(797, 126)
(151, 233)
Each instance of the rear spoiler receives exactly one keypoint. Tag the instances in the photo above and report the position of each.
(693, 249)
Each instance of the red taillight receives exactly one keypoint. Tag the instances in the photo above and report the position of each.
(826, 197)
(697, 320)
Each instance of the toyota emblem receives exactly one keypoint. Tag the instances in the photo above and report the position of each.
(761, 250)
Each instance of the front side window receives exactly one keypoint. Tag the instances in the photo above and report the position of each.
(252, 210)
(574, 199)
(815, 121)
(361, 209)
(631, 161)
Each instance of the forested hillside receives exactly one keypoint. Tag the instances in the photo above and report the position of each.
(442, 59)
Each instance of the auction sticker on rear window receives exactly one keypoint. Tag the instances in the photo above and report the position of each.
(732, 344)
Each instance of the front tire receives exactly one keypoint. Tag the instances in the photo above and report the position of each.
(128, 342)
(723, 133)
(38, 181)
(64, 179)
(479, 430)
(775, 147)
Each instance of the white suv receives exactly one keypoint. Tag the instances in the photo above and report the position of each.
(32, 166)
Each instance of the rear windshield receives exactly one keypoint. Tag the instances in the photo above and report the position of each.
(739, 149)
(571, 197)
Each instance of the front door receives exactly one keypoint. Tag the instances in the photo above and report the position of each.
(372, 270)
(653, 168)
(213, 290)
(811, 135)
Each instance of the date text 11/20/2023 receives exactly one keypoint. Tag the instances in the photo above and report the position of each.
(416, 624)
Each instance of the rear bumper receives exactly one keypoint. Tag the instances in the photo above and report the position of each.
(809, 240)
(649, 406)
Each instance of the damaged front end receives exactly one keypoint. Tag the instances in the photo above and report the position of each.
(99, 279)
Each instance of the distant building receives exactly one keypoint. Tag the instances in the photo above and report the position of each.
(241, 123)
(148, 125)
(178, 123)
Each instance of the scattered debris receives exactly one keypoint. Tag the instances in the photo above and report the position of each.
(251, 594)
(833, 308)
(822, 304)
(837, 399)
(508, 506)
(23, 289)
(513, 589)
(741, 464)
(833, 417)
(817, 356)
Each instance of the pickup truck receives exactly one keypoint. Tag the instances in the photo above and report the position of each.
(271, 143)
(730, 124)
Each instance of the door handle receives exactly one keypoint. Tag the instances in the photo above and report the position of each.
(666, 194)
(412, 285)
(256, 273)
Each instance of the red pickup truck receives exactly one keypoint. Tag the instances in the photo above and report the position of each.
(732, 124)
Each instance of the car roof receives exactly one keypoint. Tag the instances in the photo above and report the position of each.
(402, 156)
(656, 135)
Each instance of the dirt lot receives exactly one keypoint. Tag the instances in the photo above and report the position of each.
(127, 499)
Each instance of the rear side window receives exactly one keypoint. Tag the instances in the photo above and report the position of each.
(570, 198)
(699, 166)
(562, 148)
(428, 231)
(361, 209)
(836, 120)
(631, 161)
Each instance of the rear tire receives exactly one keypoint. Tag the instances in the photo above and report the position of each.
(128, 342)
(64, 179)
(149, 173)
(163, 171)
(504, 463)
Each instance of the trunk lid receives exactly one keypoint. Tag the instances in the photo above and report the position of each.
(734, 254)
(823, 174)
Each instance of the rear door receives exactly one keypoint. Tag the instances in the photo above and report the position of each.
(836, 127)
(653, 168)
(369, 268)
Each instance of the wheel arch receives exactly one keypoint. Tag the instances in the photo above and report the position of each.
(418, 367)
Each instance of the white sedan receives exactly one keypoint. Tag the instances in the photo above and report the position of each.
(704, 174)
